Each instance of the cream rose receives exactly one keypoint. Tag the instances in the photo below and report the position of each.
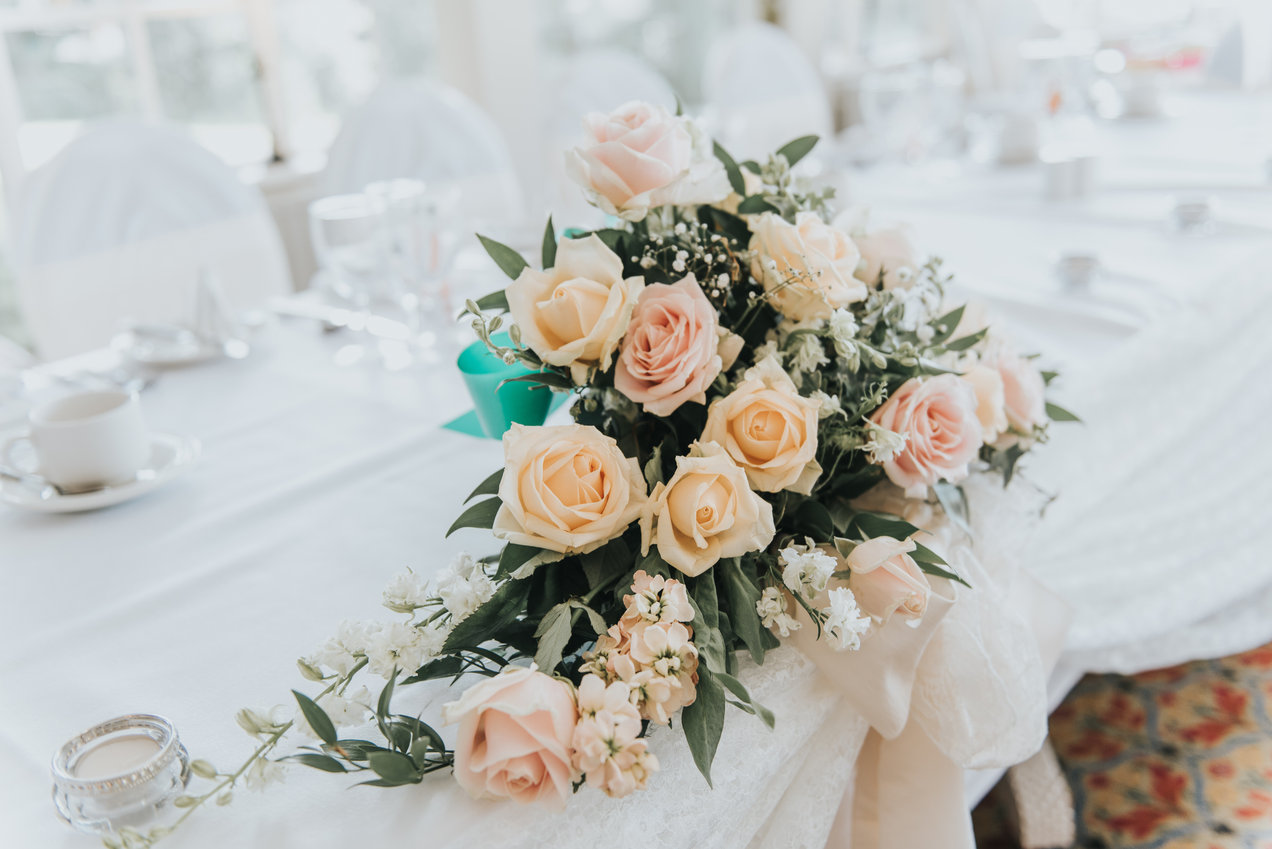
(575, 313)
(768, 429)
(567, 488)
(888, 254)
(706, 512)
(807, 267)
(514, 738)
(886, 580)
(937, 418)
(991, 403)
(641, 156)
(674, 348)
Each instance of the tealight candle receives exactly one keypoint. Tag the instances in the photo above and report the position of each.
(119, 773)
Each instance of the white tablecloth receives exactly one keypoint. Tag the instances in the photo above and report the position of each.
(318, 483)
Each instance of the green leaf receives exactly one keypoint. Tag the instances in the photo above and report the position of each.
(730, 168)
(965, 342)
(515, 556)
(796, 150)
(490, 486)
(1048, 376)
(754, 205)
(384, 782)
(653, 467)
(383, 704)
(509, 261)
(549, 245)
(752, 166)
(612, 238)
(480, 515)
(352, 750)
(316, 717)
(882, 525)
(949, 321)
(494, 301)
(940, 573)
(954, 500)
(394, 766)
(504, 606)
(553, 379)
(1059, 414)
(736, 687)
(326, 763)
(594, 619)
(741, 595)
(703, 721)
(706, 622)
(553, 633)
(813, 519)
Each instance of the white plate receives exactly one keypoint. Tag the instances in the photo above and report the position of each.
(170, 455)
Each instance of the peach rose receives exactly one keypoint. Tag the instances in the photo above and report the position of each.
(991, 404)
(575, 313)
(937, 418)
(674, 348)
(807, 267)
(889, 253)
(705, 512)
(1023, 391)
(768, 429)
(514, 738)
(566, 488)
(886, 580)
(641, 156)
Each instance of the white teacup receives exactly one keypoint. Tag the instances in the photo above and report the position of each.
(88, 440)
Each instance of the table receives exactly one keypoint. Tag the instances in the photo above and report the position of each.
(318, 483)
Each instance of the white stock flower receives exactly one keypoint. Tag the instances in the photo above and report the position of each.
(772, 610)
(845, 623)
(264, 773)
(463, 586)
(883, 444)
(339, 652)
(767, 350)
(830, 404)
(843, 330)
(406, 592)
(807, 355)
(404, 647)
(806, 570)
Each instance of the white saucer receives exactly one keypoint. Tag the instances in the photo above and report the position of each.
(170, 455)
(165, 346)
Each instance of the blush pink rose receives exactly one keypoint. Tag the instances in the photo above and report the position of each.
(886, 580)
(674, 348)
(514, 739)
(1023, 392)
(937, 418)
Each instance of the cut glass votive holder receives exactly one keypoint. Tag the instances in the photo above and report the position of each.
(120, 773)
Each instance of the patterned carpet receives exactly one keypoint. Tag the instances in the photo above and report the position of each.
(1177, 758)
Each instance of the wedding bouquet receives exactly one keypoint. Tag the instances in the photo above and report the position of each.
(745, 369)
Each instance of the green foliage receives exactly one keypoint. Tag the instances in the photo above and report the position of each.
(796, 150)
(480, 515)
(509, 261)
(549, 245)
(703, 721)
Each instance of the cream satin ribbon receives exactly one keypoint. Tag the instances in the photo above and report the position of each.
(908, 790)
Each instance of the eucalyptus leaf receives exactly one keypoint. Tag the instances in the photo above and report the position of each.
(316, 717)
(1059, 414)
(703, 721)
(490, 486)
(509, 261)
(549, 245)
(796, 150)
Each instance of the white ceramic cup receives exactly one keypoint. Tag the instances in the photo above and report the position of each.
(88, 440)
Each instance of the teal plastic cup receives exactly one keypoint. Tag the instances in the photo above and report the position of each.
(499, 407)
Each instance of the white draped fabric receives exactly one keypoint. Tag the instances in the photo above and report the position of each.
(118, 227)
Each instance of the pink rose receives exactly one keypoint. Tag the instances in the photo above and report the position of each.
(674, 348)
(641, 156)
(889, 254)
(515, 732)
(886, 580)
(1023, 391)
(937, 418)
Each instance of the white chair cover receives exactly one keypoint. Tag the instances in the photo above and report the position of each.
(761, 91)
(593, 81)
(117, 227)
(428, 131)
